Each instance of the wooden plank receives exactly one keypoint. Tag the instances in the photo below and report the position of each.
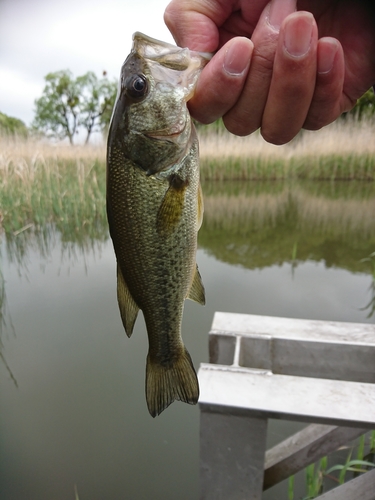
(360, 488)
(303, 448)
(332, 402)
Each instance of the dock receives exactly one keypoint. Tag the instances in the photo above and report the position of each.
(261, 367)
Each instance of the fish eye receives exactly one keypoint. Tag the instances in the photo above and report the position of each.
(136, 86)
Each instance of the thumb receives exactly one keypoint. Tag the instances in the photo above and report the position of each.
(193, 24)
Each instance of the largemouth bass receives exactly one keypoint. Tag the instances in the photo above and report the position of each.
(155, 209)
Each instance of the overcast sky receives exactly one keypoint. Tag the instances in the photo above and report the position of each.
(41, 36)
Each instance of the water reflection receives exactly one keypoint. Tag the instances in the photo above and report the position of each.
(254, 224)
(261, 224)
(258, 225)
(79, 415)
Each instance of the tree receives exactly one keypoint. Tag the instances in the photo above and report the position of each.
(68, 104)
(365, 106)
(12, 126)
(57, 110)
(98, 98)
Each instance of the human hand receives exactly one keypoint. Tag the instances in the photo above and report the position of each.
(301, 69)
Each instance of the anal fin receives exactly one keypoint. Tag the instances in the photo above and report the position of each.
(196, 291)
(128, 307)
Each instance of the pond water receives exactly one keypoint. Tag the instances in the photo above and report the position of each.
(73, 412)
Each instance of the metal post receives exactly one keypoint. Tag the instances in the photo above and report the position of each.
(233, 446)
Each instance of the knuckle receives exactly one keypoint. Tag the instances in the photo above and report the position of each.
(263, 61)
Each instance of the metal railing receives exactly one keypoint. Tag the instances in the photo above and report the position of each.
(263, 367)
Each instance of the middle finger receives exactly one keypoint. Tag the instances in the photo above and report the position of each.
(246, 115)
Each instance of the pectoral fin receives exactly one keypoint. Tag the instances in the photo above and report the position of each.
(196, 291)
(171, 208)
(128, 307)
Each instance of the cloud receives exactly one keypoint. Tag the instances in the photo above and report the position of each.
(18, 94)
(41, 36)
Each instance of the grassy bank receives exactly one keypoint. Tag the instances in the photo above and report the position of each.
(343, 150)
(43, 183)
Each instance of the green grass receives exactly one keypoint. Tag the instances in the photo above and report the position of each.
(344, 150)
(316, 475)
(327, 166)
(42, 185)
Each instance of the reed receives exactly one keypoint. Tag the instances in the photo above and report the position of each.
(320, 478)
(43, 183)
(343, 150)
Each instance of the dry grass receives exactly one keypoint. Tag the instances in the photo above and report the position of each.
(19, 149)
(343, 150)
(344, 136)
(42, 182)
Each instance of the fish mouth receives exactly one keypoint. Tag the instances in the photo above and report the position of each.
(167, 53)
(184, 63)
(168, 133)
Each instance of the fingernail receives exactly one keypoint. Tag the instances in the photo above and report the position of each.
(298, 34)
(234, 61)
(327, 56)
(278, 12)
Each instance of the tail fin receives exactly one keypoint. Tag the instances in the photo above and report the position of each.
(164, 384)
